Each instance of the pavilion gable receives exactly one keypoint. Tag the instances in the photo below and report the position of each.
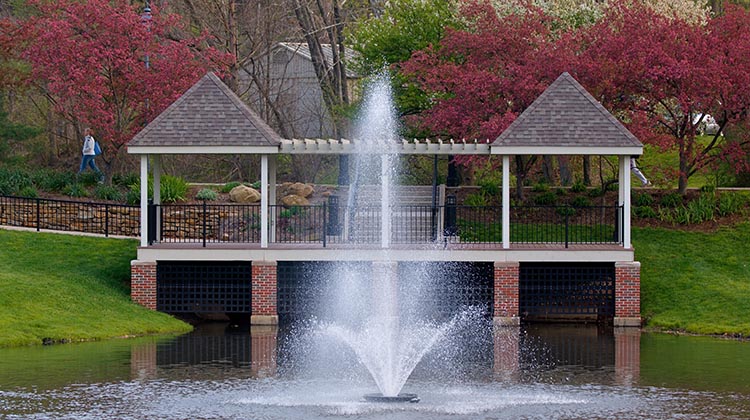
(207, 118)
(566, 119)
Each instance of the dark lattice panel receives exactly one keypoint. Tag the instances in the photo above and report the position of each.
(548, 289)
(448, 287)
(233, 350)
(203, 287)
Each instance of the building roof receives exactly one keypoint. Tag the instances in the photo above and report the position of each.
(208, 118)
(302, 49)
(566, 119)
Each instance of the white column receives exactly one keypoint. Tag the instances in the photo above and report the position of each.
(144, 200)
(156, 171)
(264, 201)
(272, 197)
(625, 197)
(506, 202)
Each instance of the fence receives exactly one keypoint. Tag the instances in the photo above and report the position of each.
(72, 216)
(321, 224)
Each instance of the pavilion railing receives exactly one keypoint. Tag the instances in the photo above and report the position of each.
(450, 224)
(325, 224)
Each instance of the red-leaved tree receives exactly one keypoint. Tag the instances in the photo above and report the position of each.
(481, 78)
(89, 59)
(663, 75)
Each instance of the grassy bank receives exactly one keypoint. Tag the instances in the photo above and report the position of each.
(695, 282)
(68, 287)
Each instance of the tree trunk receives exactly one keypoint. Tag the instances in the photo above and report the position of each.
(520, 176)
(566, 178)
(682, 181)
(587, 171)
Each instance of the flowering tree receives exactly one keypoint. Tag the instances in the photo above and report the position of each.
(89, 59)
(664, 74)
(658, 72)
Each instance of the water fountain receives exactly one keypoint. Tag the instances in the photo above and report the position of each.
(388, 343)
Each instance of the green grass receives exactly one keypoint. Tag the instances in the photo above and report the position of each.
(695, 282)
(73, 288)
(661, 167)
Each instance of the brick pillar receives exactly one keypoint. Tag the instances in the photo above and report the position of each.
(506, 293)
(264, 293)
(143, 283)
(628, 294)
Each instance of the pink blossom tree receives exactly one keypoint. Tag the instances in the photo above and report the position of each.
(89, 59)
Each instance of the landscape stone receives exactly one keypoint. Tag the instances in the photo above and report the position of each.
(244, 194)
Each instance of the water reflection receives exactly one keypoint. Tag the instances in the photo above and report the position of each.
(226, 371)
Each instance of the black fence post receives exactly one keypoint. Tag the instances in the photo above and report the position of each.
(38, 217)
(325, 228)
(106, 220)
(334, 226)
(450, 216)
(618, 224)
(567, 226)
(151, 228)
(204, 223)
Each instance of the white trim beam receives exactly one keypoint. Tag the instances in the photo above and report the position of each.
(156, 171)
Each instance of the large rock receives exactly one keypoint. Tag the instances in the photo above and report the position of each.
(297, 188)
(294, 200)
(244, 194)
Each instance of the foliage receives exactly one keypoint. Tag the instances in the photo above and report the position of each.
(595, 192)
(580, 202)
(52, 181)
(171, 189)
(578, 187)
(29, 192)
(207, 194)
(488, 187)
(11, 132)
(12, 181)
(88, 57)
(671, 200)
(405, 26)
(645, 212)
(47, 292)
(107, 192)
(642, 199)
(730, 203)
(125, 180)
(229, 186)
(476, 200)
(540, 187)
(89, 178)
(75, 190)
(546, 199)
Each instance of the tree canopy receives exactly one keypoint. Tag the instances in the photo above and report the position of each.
(101, 64)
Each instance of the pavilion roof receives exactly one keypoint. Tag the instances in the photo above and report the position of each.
(207, 118)
(566, 119)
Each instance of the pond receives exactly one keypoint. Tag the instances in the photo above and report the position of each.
(232, 372)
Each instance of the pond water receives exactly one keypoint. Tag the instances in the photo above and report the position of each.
(225, 372)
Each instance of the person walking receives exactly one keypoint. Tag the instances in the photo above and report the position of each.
(88, 154)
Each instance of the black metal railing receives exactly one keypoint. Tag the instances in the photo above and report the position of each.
(70, 216)
(323, 224)
(209, 223)
(566, 224)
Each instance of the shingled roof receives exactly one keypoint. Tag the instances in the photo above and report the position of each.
(208, 118)
(566, 119)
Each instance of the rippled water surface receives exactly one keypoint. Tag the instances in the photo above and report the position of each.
(553, 372)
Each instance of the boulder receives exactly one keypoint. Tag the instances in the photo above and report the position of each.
(298, 188)
(244, 194)
(292, 200)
